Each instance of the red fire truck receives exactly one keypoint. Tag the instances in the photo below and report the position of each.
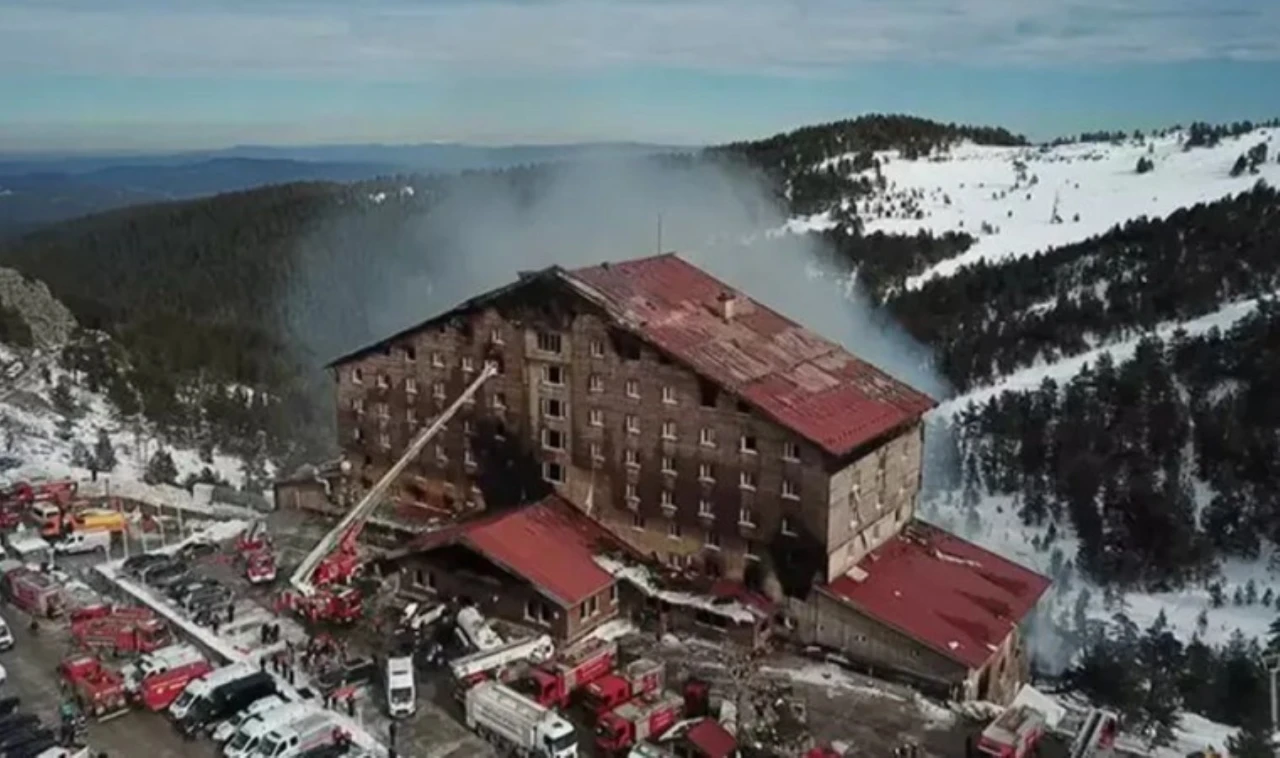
(552, 683)
(637, 678)
(123, 631)
(95, 688)
(35, 592)
(643, 718)
(1014, 734)
(158, 691)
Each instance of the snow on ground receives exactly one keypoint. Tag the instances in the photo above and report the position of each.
(35, 443)
(972, 185)
(1063, 370)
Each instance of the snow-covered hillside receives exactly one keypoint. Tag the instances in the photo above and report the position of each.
(29, 435)
(1008, 196)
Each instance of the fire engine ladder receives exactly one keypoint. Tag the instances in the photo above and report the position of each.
(355, 518)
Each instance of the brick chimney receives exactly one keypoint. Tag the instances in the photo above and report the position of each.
(728, 305)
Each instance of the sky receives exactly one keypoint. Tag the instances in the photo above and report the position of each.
(193, 74)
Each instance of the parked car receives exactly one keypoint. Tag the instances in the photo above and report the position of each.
(134, 565)
(168, 575)
(197, 548)
(165, 563)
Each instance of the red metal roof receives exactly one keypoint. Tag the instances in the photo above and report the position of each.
(808, 384)
(945, 592)
(713, 740)
(549, 544)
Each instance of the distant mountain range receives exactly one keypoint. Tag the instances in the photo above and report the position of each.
(41, 189)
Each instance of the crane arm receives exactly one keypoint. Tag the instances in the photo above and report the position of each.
(355, 518)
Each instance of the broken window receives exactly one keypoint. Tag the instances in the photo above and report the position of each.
(410, 354)
(553, 472)
(549, 342)
(357, 376)
(553, 408)
(553, 439)
(743, 407)
(553, 375)
(708, 393)
(630, 350)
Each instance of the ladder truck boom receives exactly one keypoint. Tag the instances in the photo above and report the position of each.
(343, 536)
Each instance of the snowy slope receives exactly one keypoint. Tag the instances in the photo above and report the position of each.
(972, 185)
(27, 411)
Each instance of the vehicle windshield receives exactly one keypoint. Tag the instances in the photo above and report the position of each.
(271, 745)
(185, 699)
(565, 742)
(243, 741)
(401, 694)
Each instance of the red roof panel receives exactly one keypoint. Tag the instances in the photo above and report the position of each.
(549, 544)
(712, 739)
(948, 593)
(808, 384)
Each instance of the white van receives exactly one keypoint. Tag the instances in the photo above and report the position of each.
(227, 729)
(83, 542)
(6, 636)
(199, 688)
(159, 661)
(402, 695)
(247, 740)
(297, 738)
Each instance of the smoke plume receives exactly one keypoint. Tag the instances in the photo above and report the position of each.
(476, 234)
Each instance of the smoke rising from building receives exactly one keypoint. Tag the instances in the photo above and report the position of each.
(478, 233)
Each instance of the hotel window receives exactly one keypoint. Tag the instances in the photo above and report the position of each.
(746, 516)
(706, 472)
(746, 480)
(631, 458)
(553, 408)
(357, 376)
(468, 365)
(553, 439)
(791, 451)
(668, 430)
(597, 349)
(410, 355)
(595, 417)
(668, 499)
(633, 388)
(553, 472)
(553, 375)
(669, 395)
(789, 490)
(495, 336)
(704, 508)
(548, 342)
(437, 390)
(383, 381)
(668, 465)
(748, 444)
(707, 437)
(633, 424)
(437, 360)
(595, 383)
(410, 386)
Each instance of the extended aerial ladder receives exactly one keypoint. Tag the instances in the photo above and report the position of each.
(335, 558)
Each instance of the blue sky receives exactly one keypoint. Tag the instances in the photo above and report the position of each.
(174, 74)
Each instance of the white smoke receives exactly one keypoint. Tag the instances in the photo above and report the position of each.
(477, 236)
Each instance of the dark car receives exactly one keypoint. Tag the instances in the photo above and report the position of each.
(197, 549)
(179, 592)
(136, 565)
(224, 701)
(168, 575)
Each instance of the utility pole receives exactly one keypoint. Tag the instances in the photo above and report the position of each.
(659, 234)
(1273, 668)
